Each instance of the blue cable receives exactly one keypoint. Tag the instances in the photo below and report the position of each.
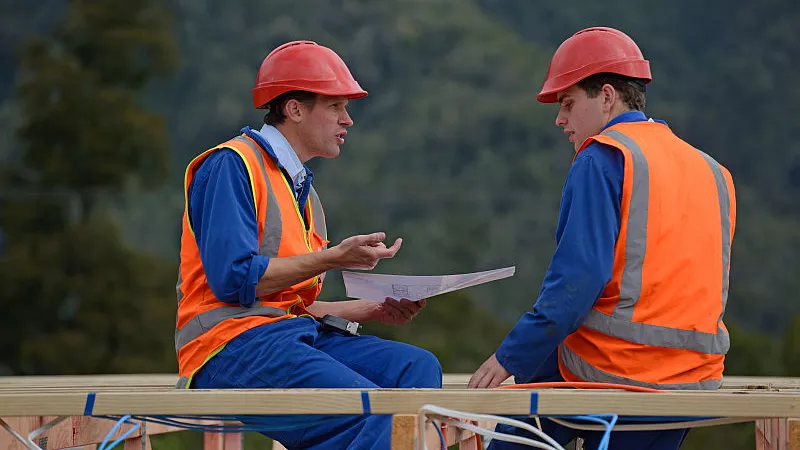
(113, 430)
(441, 435)
(176, 421)
(598, 418)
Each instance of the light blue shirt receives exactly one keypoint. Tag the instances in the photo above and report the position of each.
(285, 154)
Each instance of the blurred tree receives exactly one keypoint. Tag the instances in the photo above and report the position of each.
(76, 299)
(791, 349)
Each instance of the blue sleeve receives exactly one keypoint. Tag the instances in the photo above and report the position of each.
(226, 231)
(581, 266)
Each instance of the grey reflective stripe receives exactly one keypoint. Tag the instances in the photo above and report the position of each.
(319, 214)
(178, 286)
(636, 242)
(725, 219)
(201, 323)
(183, 383)
(641, 333)
(585, 371)
(273, 226)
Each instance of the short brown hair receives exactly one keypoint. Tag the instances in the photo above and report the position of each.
(631, 90)
(275, 115)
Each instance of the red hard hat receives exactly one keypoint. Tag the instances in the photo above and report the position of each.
(591, 51)
(303, 66)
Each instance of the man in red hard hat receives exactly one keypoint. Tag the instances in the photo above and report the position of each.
(254, 252)
(637, 287)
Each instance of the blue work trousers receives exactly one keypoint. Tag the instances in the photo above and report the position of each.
(298, 353)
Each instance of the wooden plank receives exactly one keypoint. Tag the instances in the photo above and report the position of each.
(137, 443)
(466, 440)
(77, 431)
(761, 383)
(95, 383)
(408, 401)
(155, 380)
(794, 434)
(460, 380)
(59, 436)
(222, 441)
(23, 426)
(233, 441)
(771, 434)
(213, 441)
(90, 430)
(405, 434)
(404, 431)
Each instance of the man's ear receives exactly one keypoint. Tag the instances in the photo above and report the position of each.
(610, 96)
(294, 110)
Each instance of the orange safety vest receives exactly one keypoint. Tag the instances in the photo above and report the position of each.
(658, 322)
(204, 323)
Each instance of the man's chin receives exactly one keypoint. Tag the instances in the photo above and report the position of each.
(332, 153)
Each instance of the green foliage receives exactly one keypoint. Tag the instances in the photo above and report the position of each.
(83, 127)
(87, 315)
(753, 354)
(790, 351)
(77, 299)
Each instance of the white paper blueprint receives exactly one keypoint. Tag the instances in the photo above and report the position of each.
(377, 287)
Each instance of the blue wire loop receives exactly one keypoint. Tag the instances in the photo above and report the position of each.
(124, 419)
(601, 419)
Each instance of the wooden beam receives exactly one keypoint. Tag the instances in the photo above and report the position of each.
(137, 443)
(404, 431)
(460, 380)
(778, 434)
(222, 441)
(794, 434)
(772, 434)
(408, 401)
(77, 431)
(96, 383)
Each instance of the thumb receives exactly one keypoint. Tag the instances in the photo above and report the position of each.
(373, 238)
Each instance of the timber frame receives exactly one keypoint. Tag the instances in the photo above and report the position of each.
(28, 403)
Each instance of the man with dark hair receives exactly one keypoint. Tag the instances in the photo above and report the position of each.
(637, 287)
(254, 252)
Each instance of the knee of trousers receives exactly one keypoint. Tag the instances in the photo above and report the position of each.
(425, 371)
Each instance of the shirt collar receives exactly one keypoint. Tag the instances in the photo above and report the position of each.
(628, 116)
(284, 152)
(631, 116)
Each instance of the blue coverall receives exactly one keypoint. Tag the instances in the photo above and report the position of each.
(581, 266)
(293, 353)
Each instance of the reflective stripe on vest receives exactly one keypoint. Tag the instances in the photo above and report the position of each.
(201, 323)
(270, 244)
(318, 214)
(586, 371)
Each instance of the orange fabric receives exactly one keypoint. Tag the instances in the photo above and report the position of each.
(295, 240)
(648, 364)
(681, 276)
